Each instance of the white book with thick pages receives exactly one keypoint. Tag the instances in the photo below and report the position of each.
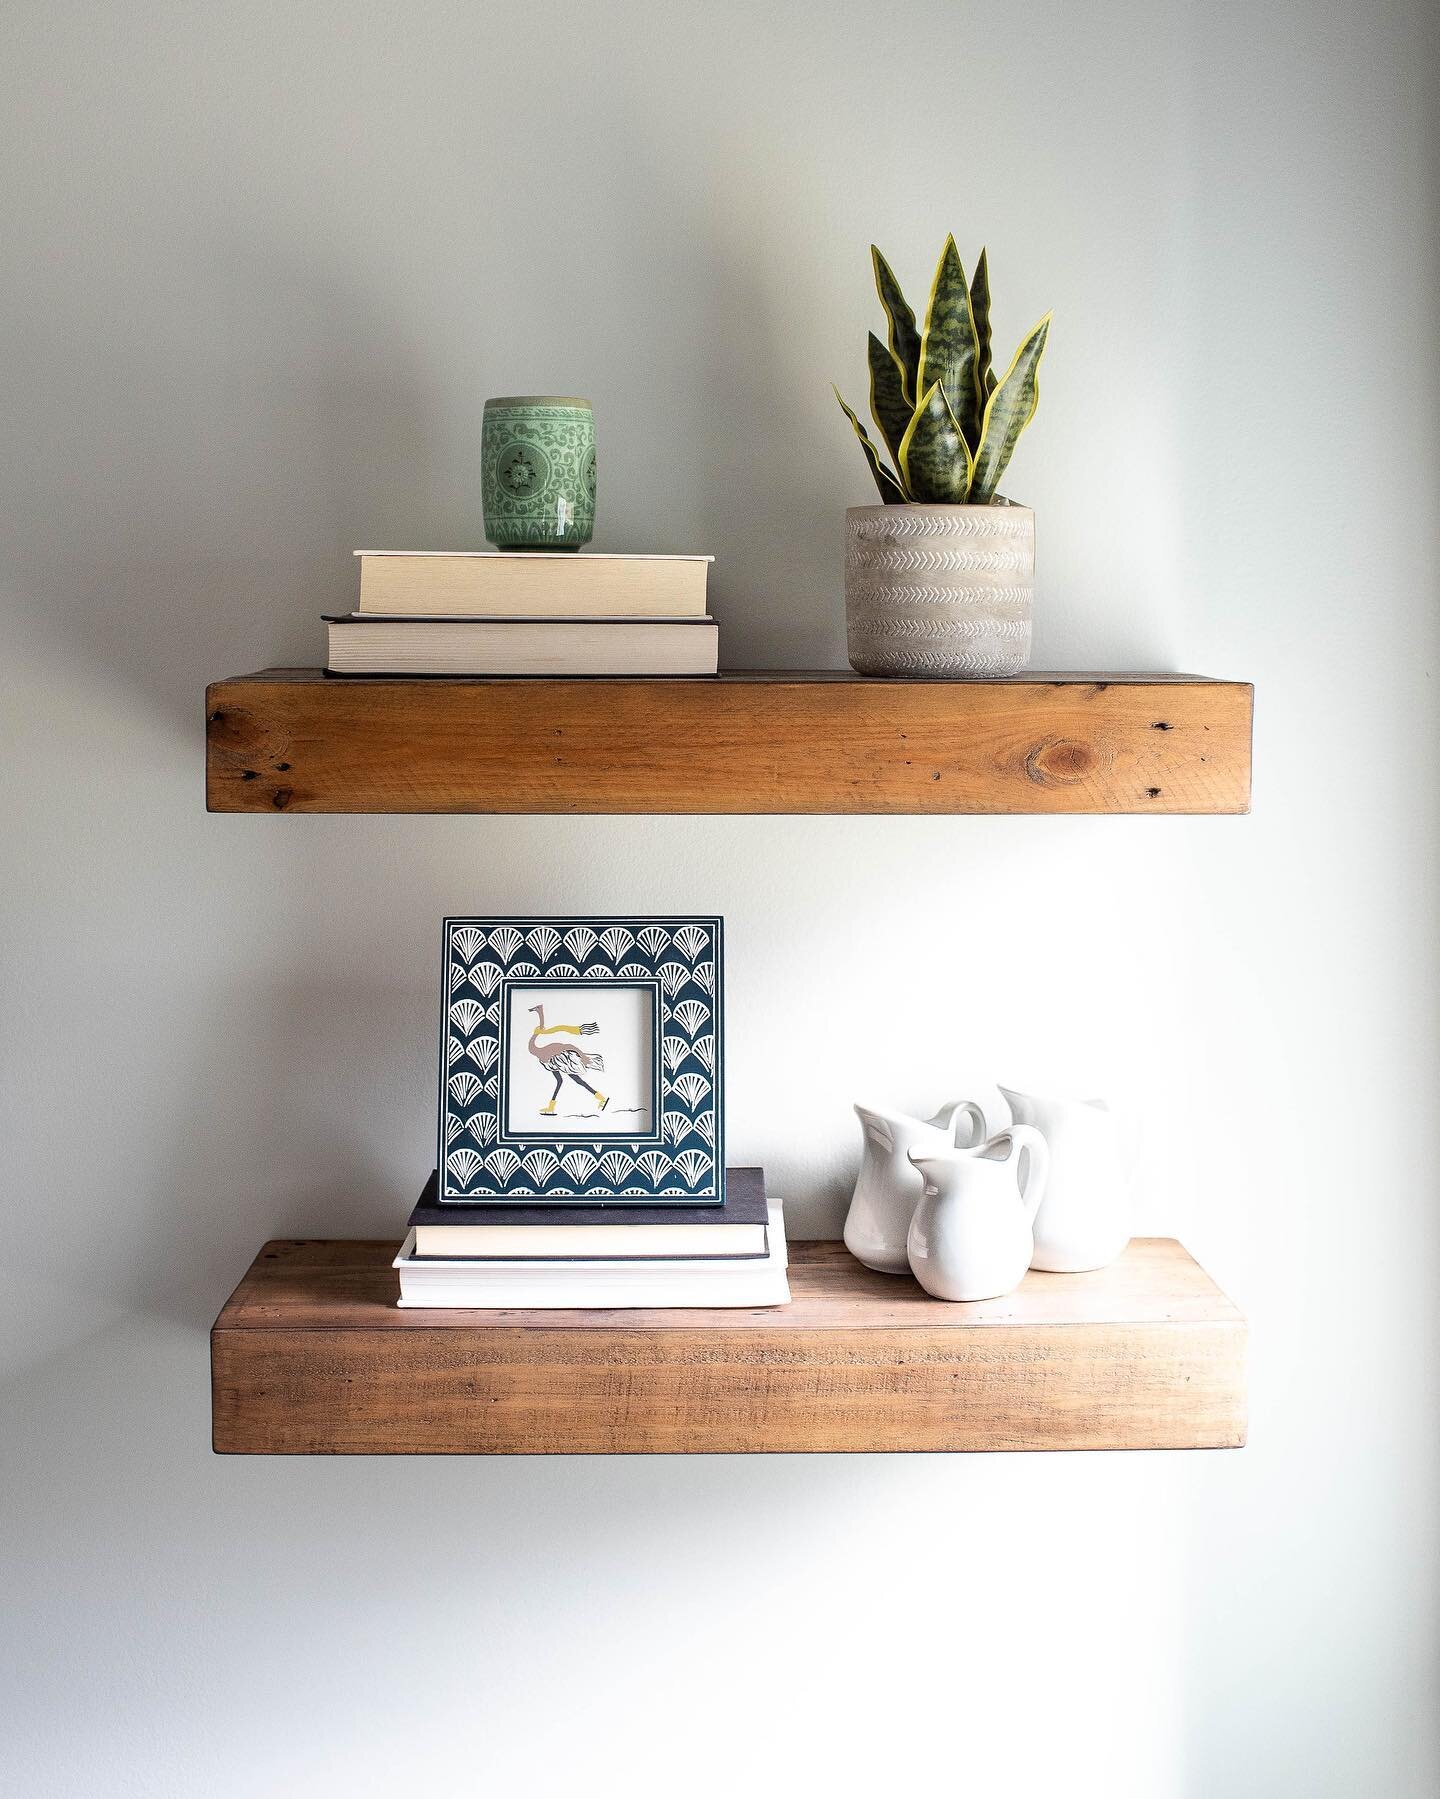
(527, 583)
(596, 1286)
(367, 644)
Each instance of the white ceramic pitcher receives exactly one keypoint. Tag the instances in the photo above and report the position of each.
(970, 1236)
(887, 1189)
(1084, 1219)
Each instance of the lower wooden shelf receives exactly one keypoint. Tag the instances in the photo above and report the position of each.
(311, 1356)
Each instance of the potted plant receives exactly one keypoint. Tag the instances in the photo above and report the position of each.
(939, 580)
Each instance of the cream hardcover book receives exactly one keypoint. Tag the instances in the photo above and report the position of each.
(531, 583)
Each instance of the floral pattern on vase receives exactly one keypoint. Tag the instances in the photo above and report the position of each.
(537, 469)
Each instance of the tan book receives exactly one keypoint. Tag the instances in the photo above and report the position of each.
(364, 644)
(531, 583)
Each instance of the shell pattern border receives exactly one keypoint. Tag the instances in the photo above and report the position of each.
(680, 1161)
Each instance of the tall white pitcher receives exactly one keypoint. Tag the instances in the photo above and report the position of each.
(1084, 1219)
(887, 1190)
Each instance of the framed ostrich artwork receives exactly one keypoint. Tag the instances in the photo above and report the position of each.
(581, 1061)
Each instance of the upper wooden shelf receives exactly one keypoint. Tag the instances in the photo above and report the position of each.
(774, 741)
(311, 1356)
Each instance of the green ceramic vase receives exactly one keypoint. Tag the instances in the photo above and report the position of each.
(537, 472)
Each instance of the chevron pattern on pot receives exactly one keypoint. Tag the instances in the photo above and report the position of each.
(1014, 601)
(940, 631)
(956, 603)
(882, 524)
(948, 562)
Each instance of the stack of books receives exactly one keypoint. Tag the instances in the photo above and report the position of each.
(552, 1257)
(526, 612)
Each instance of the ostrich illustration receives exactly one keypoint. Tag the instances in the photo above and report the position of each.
(561, 1059)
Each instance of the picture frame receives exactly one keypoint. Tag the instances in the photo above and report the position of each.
(582, 1061)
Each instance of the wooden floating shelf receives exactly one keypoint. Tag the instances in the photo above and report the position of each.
(311, 1356)
(290, 740)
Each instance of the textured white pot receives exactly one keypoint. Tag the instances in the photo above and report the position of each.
(943, 591)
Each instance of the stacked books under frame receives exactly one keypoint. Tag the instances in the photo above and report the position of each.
(603, 1256)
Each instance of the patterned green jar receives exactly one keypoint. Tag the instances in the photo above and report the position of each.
(537, 472)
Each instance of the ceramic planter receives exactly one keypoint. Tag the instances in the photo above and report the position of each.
(939, 591)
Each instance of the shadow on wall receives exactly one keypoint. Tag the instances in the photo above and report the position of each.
(331, 1597)
(168, 1567)
(226, 454)
(211, 510)
(307, 1098)
(771, 509)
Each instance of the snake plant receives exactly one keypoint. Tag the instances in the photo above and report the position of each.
(949, 425)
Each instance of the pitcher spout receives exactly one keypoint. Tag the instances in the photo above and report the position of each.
(931, 1160)
(878, 1126)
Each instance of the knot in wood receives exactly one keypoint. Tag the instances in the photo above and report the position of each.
(237, 735)
(1060, 762)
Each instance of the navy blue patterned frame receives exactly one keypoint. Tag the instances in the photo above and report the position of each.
(681, 1160)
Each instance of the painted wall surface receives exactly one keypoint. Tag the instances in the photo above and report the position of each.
(260, 265)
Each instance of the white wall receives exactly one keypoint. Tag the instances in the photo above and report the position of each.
(262, 263)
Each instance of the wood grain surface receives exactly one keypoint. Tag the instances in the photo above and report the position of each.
(291, 740)
(311, 1356)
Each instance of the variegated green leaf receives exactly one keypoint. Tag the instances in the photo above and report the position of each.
(1007, 412)
(888, 405)
(891, 491)
(948, 347)
(904, 338)
(980, 311)
(935, 461)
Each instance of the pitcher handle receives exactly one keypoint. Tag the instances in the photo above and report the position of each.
(1037, 1165)
(966, 1111)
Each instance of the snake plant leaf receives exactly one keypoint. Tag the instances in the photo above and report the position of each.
(891, 491)
(935, 461)
(889, 408)
(980, 311)
(904, 338)
(1007, 412)
(949, 348)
